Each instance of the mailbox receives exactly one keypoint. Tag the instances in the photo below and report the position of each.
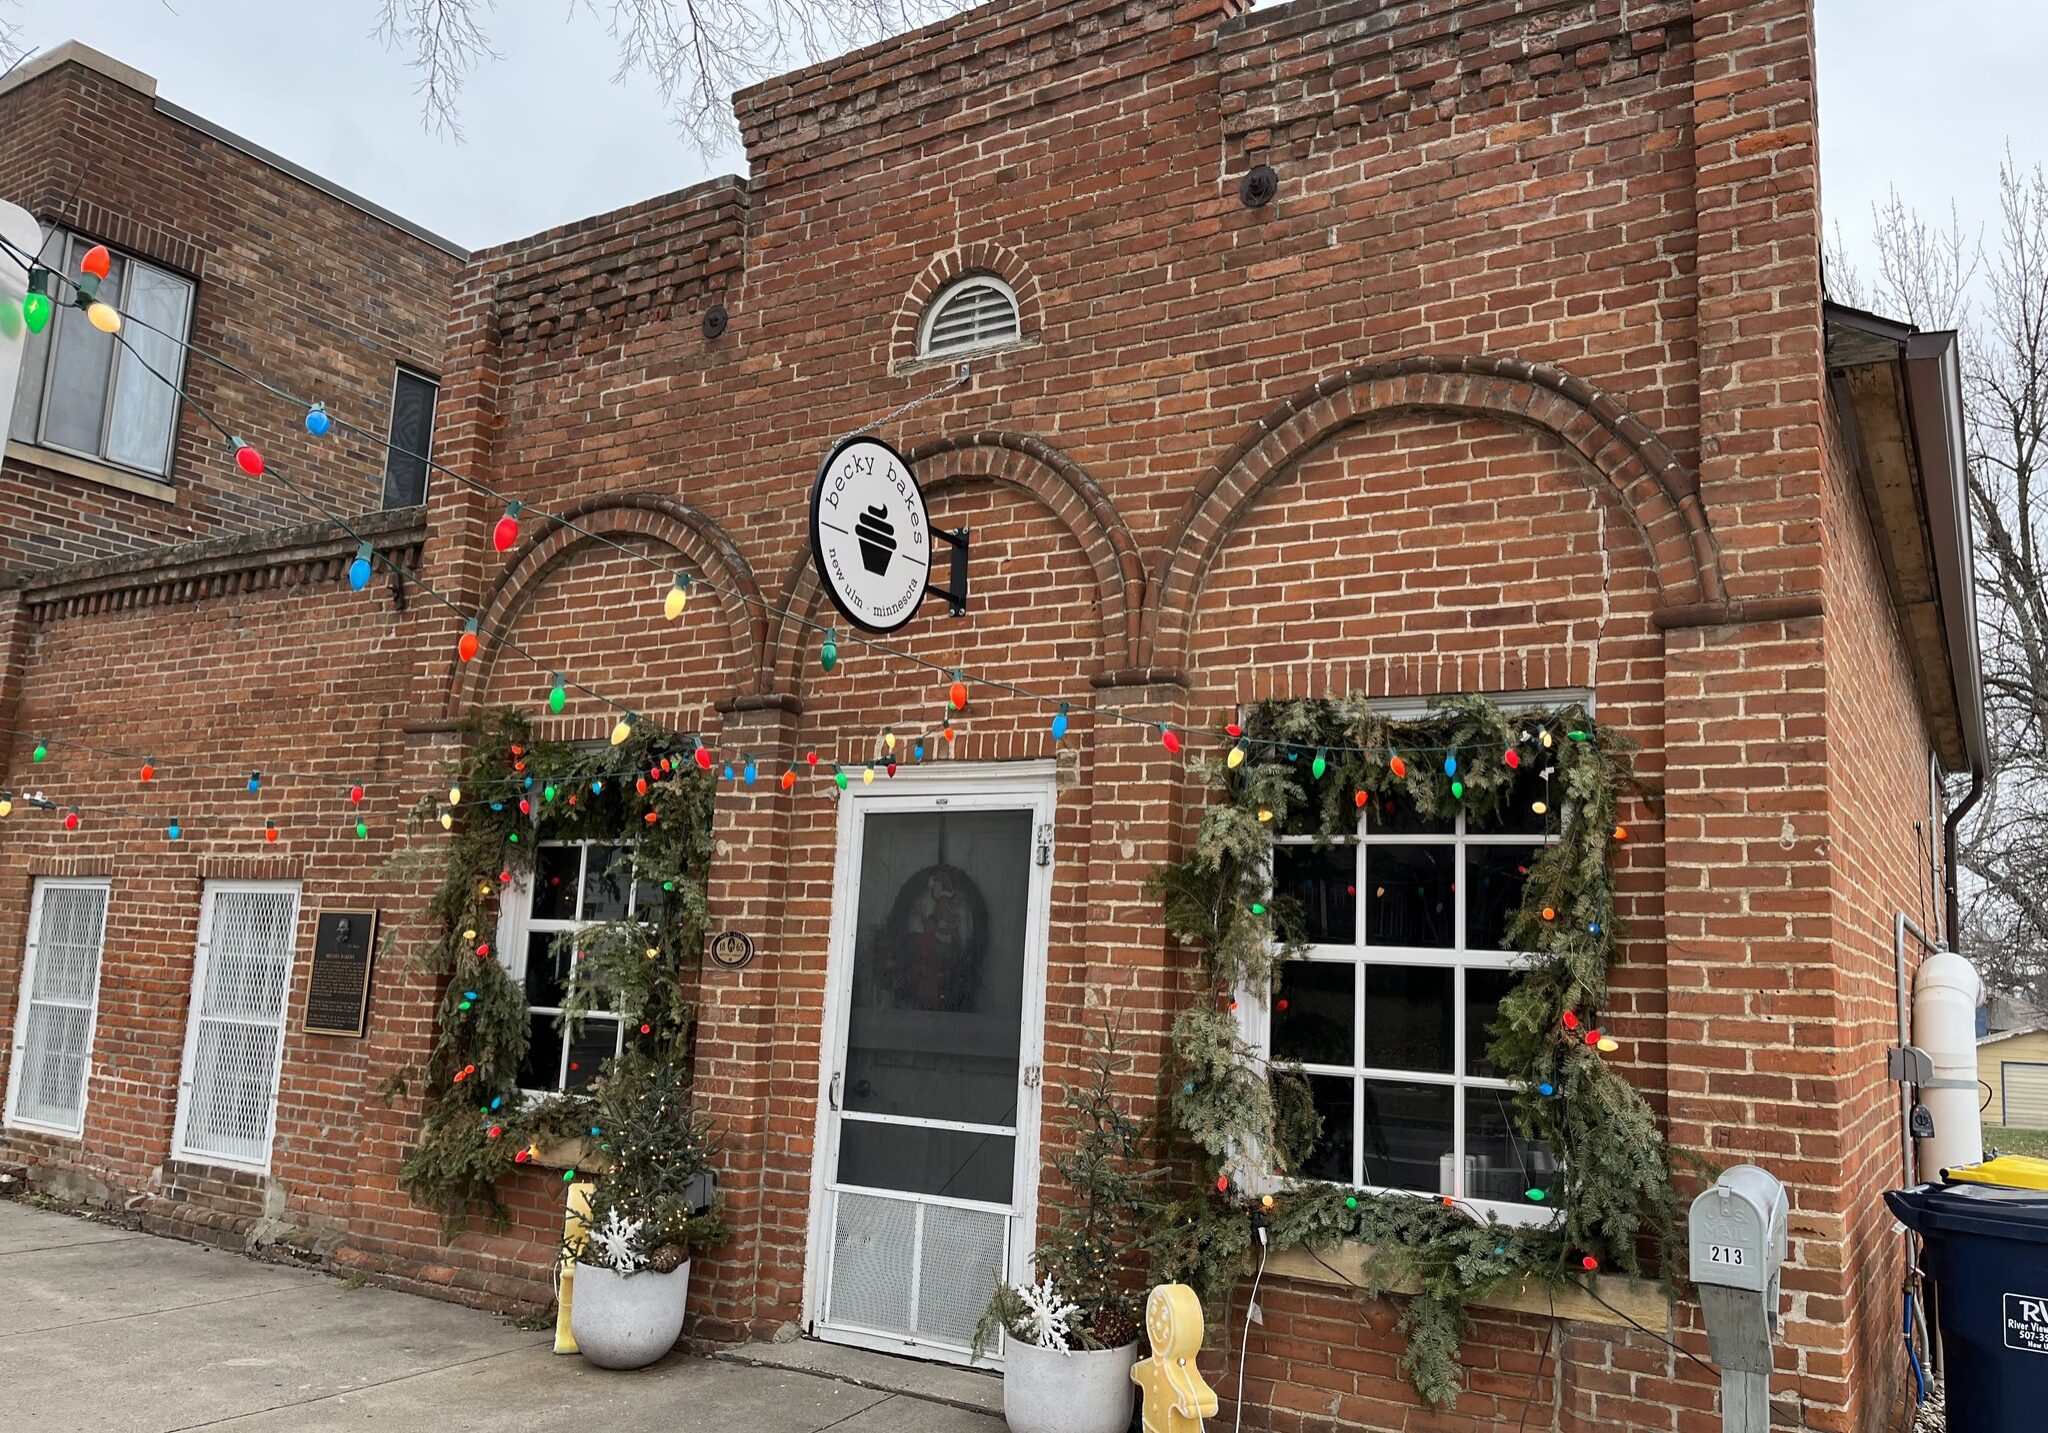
(1737, 1238)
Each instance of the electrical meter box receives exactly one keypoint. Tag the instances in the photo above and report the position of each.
(1737, 1231)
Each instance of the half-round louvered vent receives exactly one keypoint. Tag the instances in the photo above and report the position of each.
(975, 313)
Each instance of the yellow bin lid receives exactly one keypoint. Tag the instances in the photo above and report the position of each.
(2014, 1171)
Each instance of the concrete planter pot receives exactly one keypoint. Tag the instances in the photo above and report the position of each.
(627, 1322)
(1046, 1391)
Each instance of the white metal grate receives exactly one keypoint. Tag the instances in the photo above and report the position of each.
(975, 313)
(67, 927)
(238, 1010)
(960, 1257)
(874, 1248)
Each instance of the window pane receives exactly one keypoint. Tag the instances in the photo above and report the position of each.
(605, 877)
(1412, 891)
(1331, 1157)
(28, 396)
(1324, 882)
(1408, 1018)
(1499, 1163)
(1313, 1012)
(145, 405)
(84, 371)
(1394, 814)
(542, 1067)
(1407, 1134)
(953, 1163)
(1484, 990)
(555, 871)
(648, 901)
(546, 973)
(1494, 877)
(412, 434)
(589, 1048)
(1519, 815)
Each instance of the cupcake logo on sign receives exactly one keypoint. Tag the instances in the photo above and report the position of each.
(870, 535)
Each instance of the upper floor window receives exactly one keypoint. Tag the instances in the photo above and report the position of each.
(413, 396)
(84, 392)
(969, 315)
(1389, 1013)
(573, 885)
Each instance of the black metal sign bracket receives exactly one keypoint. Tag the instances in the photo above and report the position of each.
(956, 595)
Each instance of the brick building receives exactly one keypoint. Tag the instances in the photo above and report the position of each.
(228, 247)
(1522, 382)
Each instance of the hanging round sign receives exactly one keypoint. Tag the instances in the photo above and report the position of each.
(870, 535)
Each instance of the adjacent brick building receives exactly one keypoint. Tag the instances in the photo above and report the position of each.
(243, 254)
(1521, 382)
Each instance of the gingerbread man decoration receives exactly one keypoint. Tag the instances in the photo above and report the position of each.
(1176, 1398)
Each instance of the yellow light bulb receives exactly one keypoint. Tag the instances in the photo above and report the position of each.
(469, 935)
(652, 952)
(6, 806)
(455, 796)
(447, 820)
(672, 606)
(867, 777)
(1264, 814)
(1236, 758)
(1546, 740)
(1539, 807)
(1608, 1044)
(104, 318)
(889, 740)
(622, 731)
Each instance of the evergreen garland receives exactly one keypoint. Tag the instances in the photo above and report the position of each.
(1235, 1118)
(644, 796)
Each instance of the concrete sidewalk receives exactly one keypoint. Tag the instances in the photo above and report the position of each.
(103, 1329)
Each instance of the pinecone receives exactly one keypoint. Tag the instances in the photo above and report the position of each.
(1113, 1328)
(668, 1258)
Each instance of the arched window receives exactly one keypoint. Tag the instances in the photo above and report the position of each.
(975, 313)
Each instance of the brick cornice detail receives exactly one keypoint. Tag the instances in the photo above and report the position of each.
(312, 555)
(1656, 490)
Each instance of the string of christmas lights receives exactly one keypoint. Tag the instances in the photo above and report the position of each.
(319, 420)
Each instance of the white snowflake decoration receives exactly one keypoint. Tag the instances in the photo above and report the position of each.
(1046, 1315)
(615, 1242)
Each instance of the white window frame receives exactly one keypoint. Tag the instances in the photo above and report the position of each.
(1255, 1015)
(201, 952)
(516, 923)
(18, 1062)
(69, 248)
(946, 296)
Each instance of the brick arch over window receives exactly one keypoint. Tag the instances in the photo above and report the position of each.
(702, 546)
(958, 264)
(1030, 466)
(1657, 491)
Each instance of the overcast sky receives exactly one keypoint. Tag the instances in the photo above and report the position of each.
(1917, 94)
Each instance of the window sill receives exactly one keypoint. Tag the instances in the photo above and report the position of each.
(1639, 1302)
(86, 469)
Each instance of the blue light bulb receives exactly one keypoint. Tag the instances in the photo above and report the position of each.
(918, 751)
(728, 771)
(596, 787)
(1546, 1089)
(359, 570)
(317, 421)
(1450, 766)
(749, 773)
(255, 781)
(1059, 724)
(174, 831)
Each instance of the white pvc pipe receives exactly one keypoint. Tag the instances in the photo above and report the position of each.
(1945, 996)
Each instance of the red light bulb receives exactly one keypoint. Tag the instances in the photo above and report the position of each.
(1512, 757)
(270, 831)
(1398, 767)
(466, 645)
(892, 768)
(1359, 799)
(249, 460)
(1235, 730)
(810, 758)
(641, 786)
(1223, 1184)
(1170, 739)
(525, 807)
(703, 758)
(1592, 1037)
(355, 794)
(1589, 1263)
(1571, 1019)
(957, 695)
(507, 531)
(70, 820)
(652, 817)
(97, 261)
(148, 772)
(789, 778)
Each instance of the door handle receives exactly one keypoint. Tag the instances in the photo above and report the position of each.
(838, 1079)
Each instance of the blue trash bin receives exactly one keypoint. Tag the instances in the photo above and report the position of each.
(1987, 1254)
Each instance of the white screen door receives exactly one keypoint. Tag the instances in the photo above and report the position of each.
(60, 987)
(241, 982)
(928, 1153)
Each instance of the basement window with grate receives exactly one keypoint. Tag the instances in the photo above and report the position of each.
(968, 316)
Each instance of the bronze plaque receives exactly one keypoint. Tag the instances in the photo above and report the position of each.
(732, 949)
(338, 991)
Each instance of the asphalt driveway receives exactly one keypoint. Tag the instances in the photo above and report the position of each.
(105, 1329)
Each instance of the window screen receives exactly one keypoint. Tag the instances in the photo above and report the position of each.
(228, 1098)
(60, 996)
(413, 396)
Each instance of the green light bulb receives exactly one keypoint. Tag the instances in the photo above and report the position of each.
(828, 655)
(839, 776)
(1318, 766)
(35, 311)
(41, 753)
(558, 696)
(362, 829)
(1538, 1195)
(547, 792)
(1257, 909)
(1458, 790)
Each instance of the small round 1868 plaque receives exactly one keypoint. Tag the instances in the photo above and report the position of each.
(732, 949)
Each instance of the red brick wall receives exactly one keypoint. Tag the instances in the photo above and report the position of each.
(1515, 383)
(292, 284)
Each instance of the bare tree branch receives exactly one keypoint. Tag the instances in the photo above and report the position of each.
(697, 52)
